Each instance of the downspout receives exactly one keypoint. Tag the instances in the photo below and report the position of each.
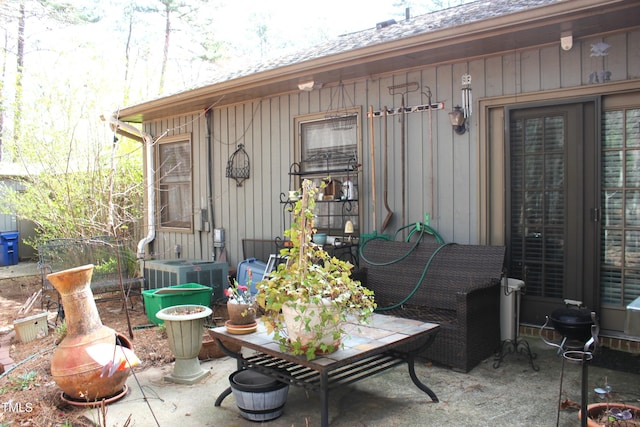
(126, 129)
(151, 196)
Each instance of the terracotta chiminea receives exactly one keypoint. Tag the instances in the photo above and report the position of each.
(75, 371)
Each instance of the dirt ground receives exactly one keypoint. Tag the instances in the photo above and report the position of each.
(28, 394)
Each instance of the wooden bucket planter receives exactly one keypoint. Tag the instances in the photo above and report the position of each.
(258, 396)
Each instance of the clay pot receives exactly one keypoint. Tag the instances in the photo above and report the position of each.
(73, 370)
(211, 350)
(595, 410)
(241, 314)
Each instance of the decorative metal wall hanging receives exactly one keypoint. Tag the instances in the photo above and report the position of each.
(238, 166)
(338, 114)
(403, 89)
(407, 110)
(600, 51)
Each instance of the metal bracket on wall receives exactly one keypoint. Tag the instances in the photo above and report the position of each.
(407, 110)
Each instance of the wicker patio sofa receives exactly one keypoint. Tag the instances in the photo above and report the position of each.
(459, 290)
(104, 253)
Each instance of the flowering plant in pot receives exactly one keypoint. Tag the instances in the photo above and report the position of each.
(612, 414)
(312, 289)
(241, 305)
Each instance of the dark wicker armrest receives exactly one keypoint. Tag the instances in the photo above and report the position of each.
(479, 305)
(456, 286)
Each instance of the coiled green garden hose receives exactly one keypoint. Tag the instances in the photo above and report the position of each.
(417, 227)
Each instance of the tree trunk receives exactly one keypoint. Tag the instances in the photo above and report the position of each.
(127, 60)
(20, 62)
(165, 53)
(3, 68)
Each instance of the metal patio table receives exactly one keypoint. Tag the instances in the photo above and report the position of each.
(381, 344)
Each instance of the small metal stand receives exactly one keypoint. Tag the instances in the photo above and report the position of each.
(518, 345)
(510, 310)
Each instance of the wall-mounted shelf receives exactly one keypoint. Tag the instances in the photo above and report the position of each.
(335, 208)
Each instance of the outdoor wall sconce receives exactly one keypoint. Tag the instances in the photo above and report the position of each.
(566, 40)
(310, 85)
(457, 120)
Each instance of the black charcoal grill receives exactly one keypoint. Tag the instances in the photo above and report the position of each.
(572, 323)
(579, 329)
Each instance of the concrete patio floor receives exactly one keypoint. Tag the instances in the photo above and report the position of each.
(23, 268)
(512, 395)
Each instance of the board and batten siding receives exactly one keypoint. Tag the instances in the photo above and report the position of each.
(193, 244)
(8, 221)
(443, 173)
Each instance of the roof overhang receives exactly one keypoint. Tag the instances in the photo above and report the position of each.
(521, 30)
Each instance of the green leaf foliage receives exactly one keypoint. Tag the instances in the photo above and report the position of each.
(71, 198)
(318, 287)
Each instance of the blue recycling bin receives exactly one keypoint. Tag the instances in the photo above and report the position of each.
(9, 248)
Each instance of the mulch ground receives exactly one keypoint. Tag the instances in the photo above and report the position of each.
(28, 394)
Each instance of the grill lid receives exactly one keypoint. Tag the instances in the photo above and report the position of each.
(574, 323)
(572, 316)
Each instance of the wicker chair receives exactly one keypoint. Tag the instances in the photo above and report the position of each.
(459, 290)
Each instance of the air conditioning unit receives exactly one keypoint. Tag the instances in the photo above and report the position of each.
(164, 273)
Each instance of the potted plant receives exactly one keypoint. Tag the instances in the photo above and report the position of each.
(311, 288)
(241, 305)
(610, 414)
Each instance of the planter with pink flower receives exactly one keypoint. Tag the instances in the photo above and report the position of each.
(241, 307)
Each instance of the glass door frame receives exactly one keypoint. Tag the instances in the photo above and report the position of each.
(581, 256)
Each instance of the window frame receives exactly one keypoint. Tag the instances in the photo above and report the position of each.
(298, 173)
(185, 226)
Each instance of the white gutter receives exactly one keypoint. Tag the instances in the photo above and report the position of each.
(130, 131)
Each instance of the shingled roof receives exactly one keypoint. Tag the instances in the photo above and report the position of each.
(471, 30)
(391, 30)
